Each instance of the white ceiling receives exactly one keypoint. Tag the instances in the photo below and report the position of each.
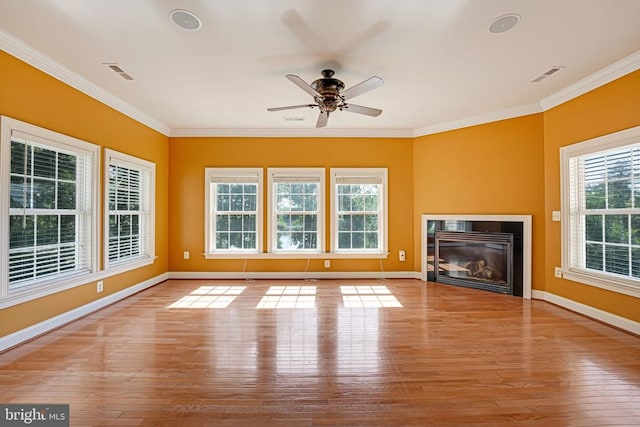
(439, 62)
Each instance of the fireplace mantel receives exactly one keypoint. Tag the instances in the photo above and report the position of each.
(525, 220)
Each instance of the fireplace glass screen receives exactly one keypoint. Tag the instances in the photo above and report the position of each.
(482, 260)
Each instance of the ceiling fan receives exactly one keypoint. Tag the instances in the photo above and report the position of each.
(329, 95)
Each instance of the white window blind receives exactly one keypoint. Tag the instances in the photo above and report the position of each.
(50, 216)
(601, 203)
(130, 201)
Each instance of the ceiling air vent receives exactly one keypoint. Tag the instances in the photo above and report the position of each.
(119, 70)
(546, 74)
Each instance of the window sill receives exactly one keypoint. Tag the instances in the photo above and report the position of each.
(298, 255)
(621, 286)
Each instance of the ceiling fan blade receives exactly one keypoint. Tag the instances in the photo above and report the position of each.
(292, 19)
(362, 87)
(367, 111)
(323, 118)
(292, 107)
(303, 85)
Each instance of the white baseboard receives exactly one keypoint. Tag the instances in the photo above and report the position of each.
(266, 275)
(45, 326)
(595, 313)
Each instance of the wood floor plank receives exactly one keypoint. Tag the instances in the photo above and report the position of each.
(329, 353)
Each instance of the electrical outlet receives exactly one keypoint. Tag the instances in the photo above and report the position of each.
(402, 256)
(557, 272)
(327, 263)
(555, 216)
(186, 254)
(99, 286)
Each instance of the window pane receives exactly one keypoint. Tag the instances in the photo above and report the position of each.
(594, 254)
(371, 240)
(250, 223)
(297, 222)
(297, 202)
(283, 222)
(616, 229)
(371, 202)
(43, 194)
(371, 223)
(18, 158)
(223, 201)
(235, 240)
(66, 167)
(344, 203)
(249, 240)
(222, 241)
(310, 241)
(235, 223)
(44, 162)
(310, 222)
(310, 203)
(46, 230)
(344, 240)
(357, 240)
(595, 195)
(236, 201)
(619, 164)
(222, 222)
(357, 222)
(619, 194)
(593, 228)
(616, 259)
(67, 228)
(66, 195)
(249, 203)
(21, 231)
(20, 192)
(344, 223)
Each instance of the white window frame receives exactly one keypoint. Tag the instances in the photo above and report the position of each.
(361, 175)
(571, 213)
(59, 142)
(231, 175)
(296, 175)
(147, 214)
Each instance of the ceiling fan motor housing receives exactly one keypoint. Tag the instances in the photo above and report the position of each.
(330, 89)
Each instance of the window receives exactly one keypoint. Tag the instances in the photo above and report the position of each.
(234, 210)
(601, 207)
(359, 214)
(129, 211)
(296, 210)
(48, 210)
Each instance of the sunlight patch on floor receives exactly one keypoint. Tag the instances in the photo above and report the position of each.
(209, 297)
(368, 296)
(289, 297)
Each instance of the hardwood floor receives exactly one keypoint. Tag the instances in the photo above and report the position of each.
(354, 353)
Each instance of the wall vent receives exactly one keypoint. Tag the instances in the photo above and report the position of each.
(116, 68)
(547, 73)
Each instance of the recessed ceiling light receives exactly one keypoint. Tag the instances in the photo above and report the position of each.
(504, 23)
(185, 19)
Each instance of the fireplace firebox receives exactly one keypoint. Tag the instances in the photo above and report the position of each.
(482, 260)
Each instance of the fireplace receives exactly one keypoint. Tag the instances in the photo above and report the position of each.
(518, 226)
(482, 260)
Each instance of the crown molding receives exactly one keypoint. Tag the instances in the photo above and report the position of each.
(606, 75)
(46, 64)
(293, 133)
(510, 113)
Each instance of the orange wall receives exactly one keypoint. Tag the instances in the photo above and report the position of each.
(189, 157)
(494, 168)
(29, 95)
(610, 108)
